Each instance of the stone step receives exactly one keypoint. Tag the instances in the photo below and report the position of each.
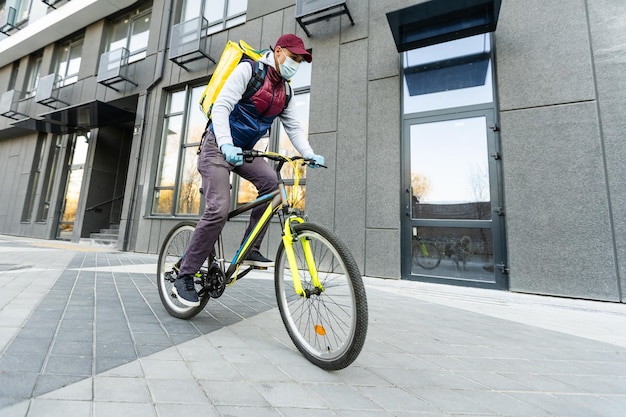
(104, 236)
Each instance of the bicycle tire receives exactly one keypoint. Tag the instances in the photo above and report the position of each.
(426, 255)
(329, 329)
(172, 250)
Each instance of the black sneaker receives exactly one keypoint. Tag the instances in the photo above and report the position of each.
(185, 291)
(255, 258)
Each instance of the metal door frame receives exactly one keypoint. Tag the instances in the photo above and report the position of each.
(496, 224)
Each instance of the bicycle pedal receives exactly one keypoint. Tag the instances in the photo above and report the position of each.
(260, 268)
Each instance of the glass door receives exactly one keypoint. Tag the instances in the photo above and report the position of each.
(454, 227)
(73, 186)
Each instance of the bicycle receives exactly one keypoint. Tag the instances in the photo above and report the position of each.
(319, 289)
(425, 253)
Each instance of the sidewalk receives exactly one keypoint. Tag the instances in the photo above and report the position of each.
(83, 333)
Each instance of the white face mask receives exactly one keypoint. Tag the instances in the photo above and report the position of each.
(288, 68)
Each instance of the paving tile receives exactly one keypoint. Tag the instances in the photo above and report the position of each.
(69, 365)
(181, 391)
(358, 375)
(69, 334)
(120, 389)
(215, 371)
(154, 368)
(308, 412)
(237, 411)
(493, 381)
(425, 379)
(23, 345)
(11, 408)
(147, 350)
(595, 405)
(108, 409)
(395, 399)
(27, 362)
(81, 390)
(341, 397)
(50, 382)
(551, 404)
(233, 393)
(178, 410)
(262, 372)
(305, 372)
(17, 384)
(74, 348)
(288, 394)
(452, 402)
(59, 408)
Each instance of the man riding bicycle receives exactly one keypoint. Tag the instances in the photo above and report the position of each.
(237, 123)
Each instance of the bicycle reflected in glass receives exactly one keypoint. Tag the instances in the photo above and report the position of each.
(425, 253)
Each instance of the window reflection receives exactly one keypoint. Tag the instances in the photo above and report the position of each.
(450, 170)
(191, 181)
(220, 14)
(131, 32)
(32, 81)
(451, 74)
(464, 253)
(178, 182)
(68, 62)
(73, 187)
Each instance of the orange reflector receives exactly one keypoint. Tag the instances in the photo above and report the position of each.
(319, 329)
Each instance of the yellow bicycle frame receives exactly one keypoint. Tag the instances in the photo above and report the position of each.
(288, 241)
(279, 200)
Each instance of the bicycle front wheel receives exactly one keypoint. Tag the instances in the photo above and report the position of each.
(426, 254)
(171, 253)
(329, 326)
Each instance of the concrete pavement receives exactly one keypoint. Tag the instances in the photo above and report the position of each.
(83, 333)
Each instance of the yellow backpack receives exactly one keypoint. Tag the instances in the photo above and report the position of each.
(233, 54)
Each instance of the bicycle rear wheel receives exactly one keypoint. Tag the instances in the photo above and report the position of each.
(329, 327)
(426, 254)
(172, 251)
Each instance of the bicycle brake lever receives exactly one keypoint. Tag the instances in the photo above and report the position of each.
(312, 164)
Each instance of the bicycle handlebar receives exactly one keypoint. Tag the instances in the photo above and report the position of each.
(247, 154)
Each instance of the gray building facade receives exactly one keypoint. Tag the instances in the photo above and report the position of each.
(490, 158)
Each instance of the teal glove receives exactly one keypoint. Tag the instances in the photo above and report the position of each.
(319, 160)
(232, 154)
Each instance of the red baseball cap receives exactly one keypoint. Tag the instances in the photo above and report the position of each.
(295, 45)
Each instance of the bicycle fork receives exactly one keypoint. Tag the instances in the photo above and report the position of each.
(288, 241)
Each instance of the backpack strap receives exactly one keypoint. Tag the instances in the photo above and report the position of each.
(288, 93)
(256, 81)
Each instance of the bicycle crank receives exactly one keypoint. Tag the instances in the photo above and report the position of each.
(216, 281)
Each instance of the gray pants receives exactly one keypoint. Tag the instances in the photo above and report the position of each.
(215, 173)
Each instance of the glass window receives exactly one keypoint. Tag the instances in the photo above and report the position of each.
(48, 179)
(23, 8)
(457, 252)
(33, 180)
(451, 74)
(221, 14)
(3, 18)
(32, 79)
(68, 62)
(15, 69)
(177, 187)
(131, 32)
(450, 169)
